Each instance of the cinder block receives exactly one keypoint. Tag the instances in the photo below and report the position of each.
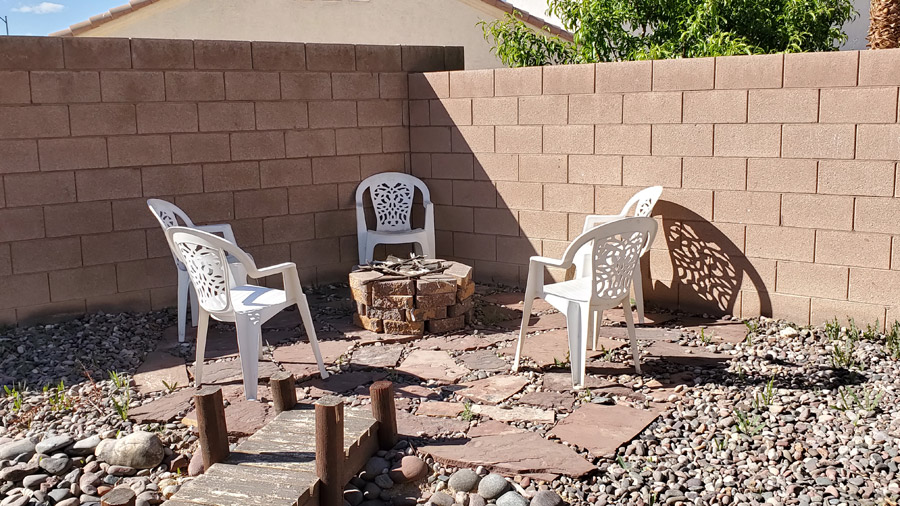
(378, 112)
(18, 156)
(821, 70)
(475, 246)
(143, 150)
(720, 106)
(714, 173)
(879, 68)
(781, 243)
(354, 85)
(568, 139)
(230, 176)
(755, 71)
(331, 57)
(799, 105)
(42, 255)
(195, 86)
(97, 53)
(858, 105)
(543, 110)
(167, 117)
(624, 76)
(72, 154)
(518, 139)
(305, 143)
(162, 54)
(305, 85)
(622, 139)
(651, 170)
(853, 248)
(260, 203)
(83, 282)
(825, 310)
(65, 87)
(393, 85)
(652, 107)
(451, 111)
(517, 81)
(446, 325)
(569, 198)
(132, 86)
(133, 214)
(874, 286)
(515, 195)
(99, 249)
(747, 140)
(684, 74)
(824, 212)
(595, 169)
(423, 58)
(22, 224)
(495, 221)
(781, 175)
(34, 122)
(852, 177)
(494, 111)
(472, 139)
(878, 142)
(568, 79)
(226, 116)
(290, 172)
(474, 194)
(831, 280)
(15, 88)
(429, 85)
(595, 109)
(252, 85)
(879, 215)
(747, 207)
(288, 228)
(544, 225)
(108, 184)
(30, 53)
(171, 180)
(818, 141)
(29, 189)
(31, 289)
(338, 169)
(472, 83)
(378, 58)
(222, 54)
(682, 140)
(332, 114)
(354, 141)
(278, 55)
(543, 168)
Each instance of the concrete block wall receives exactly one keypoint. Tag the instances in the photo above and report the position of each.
(270, 137)
(782, 194)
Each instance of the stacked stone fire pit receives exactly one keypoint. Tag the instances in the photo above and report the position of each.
(408, 297)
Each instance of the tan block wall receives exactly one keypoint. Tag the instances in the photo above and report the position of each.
(270, 137)
(782, 192)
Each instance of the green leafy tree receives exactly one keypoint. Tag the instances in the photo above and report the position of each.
(613, 30)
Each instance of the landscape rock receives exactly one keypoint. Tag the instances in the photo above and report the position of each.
(492, 486)
(15, 448)
(84, 447)
(140, 450)
(464, 480)
(56, 466)
(53, 443)
(410, 468)
(512, 498)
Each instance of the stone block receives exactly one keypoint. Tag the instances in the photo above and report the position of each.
(461, 308)
(446, 324)
(393, 288)
(392, 301)
(360, 279)
(462, 273)
(435, 283)
(362, 296)
(386, 314)
(404, 327)
(466, 291)
(435, 300)
(367, 323)
(418, 315)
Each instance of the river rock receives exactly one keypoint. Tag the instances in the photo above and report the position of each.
(546, 498)
(104, 450)
(374, 467)
(56, 466)
(492, 486)
(34, 481)
(17, 471)
(195, 467)
(52, 444)
(9, 451)
(512, 498)
(411, 468)
(140, 450)
(441, 499)
(464, 480)
(84, 447)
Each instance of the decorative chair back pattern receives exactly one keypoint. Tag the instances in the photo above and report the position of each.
(392, 195)
(613, 261)
(168, 214)
(643, 202)
(207, 265)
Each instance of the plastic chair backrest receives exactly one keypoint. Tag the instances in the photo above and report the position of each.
(205, 257)
(392, 196)
(168, 214)
(616, 248)
(643, 202)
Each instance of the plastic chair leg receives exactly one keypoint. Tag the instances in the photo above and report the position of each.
(248, 336)
(576, 324)
(370, 252)
(305, 315)
(184, 285)
(635, 352)
(195, 307)
(639, 295)
(526, 318)
(202, 327)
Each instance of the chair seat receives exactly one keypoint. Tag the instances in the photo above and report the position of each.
(395, 233)
(249, 298)
(577, 290)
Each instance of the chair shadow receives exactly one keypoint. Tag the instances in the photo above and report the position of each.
(710, 271)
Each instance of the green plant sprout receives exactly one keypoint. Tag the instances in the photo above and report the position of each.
(765, 397)
(467, 413)
(747, 425)
(16, 397)
(849, 399)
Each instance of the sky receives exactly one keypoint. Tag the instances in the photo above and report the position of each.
(38, 17)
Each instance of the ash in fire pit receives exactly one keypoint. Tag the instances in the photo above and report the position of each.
(406, 296)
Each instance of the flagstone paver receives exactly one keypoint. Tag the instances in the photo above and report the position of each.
(513, 300)
(521, 452)
(515, 413)
(552, 347)
(433, 365)
(463, 343)
(242, 417)
(416, 392)
(160, 369)
(642, 333)
(165, 409)
(440, 409)
(298, 358)
(229, 371)
(538, 323)
(493, 390)
(489, 427)
(602, 429)
(377, 356)
(341, 382)
(562, 381)
(677, 354)
(484, 360)
(548, 400)
(618, 315)
(427, 426)
(728, 331)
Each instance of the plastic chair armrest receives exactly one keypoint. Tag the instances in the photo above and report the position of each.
(549, 262)
(272, 270)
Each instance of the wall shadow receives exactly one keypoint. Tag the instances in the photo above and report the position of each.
(709, 269)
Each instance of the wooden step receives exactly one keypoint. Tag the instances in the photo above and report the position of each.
(276, 466)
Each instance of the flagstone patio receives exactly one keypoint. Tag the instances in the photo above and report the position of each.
(456, 394)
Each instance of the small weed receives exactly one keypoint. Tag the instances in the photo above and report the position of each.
(747, 425)
(561, 364)
(833, 330)
(57, 397)
(850, 399)
(705, 339)
(120, 402)
(584, 395)
(652, 499)
(720, 444)
(871, 332)
(621, 462)
(118, 379)
(170, 387)
(765, 397)
(467, 413)
(842, 354)
(892, 341)
(752, 326)
(16, 397)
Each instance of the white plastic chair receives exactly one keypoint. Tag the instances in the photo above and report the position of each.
(392, 196)
(643, 203)
(168, 215)
(615, 249)
(206, 256)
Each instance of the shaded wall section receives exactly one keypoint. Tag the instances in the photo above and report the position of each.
(780, 174)
(270, 137)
